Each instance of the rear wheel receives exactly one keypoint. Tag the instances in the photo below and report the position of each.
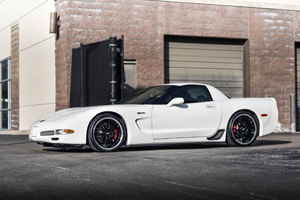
(106, 133)
(243, 129)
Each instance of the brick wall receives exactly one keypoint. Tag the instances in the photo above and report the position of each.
(271, 35)
(272, 57)
(15, 77)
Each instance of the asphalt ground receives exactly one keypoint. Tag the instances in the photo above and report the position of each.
(268, 170)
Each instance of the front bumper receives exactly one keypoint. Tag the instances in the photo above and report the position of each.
(51, 133)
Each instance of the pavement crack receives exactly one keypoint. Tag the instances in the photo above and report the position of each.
(265, 197)
(210, 190)
(187, 186)
(56, 167)
(11, 144)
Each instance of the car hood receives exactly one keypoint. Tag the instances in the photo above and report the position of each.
(84, 112)
(64, 113)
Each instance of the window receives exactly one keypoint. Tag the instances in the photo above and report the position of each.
(5, 90)
(190, 94)
(163, 94)
(149, 95)
(130, 73)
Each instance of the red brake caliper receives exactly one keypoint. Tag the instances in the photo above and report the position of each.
(116, 134)
(234, 129)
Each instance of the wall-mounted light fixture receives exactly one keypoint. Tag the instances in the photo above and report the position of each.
(54, 22)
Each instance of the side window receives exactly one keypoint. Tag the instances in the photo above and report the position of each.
(191, 94)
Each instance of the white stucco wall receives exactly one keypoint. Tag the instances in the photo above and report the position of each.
(37, 55)
(5, 43)
(37, 65)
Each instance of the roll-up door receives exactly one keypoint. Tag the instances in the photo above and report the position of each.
(219, 65)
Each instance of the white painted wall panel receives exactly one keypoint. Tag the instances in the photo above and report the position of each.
(36, 56)
(37, 74)
(34, 26)
(37, 82)
(5, 47)
(30, 113)
(12, 10)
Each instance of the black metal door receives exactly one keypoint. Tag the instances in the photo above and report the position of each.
(91, 73)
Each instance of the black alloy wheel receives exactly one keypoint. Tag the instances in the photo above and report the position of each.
(243, 129)
(106, 133)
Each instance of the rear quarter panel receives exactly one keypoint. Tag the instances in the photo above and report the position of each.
(258, 106)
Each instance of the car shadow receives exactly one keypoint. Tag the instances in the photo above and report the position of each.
(178, 146)
(270, 142)
(86, 149)
(173, 146)
(199, 145)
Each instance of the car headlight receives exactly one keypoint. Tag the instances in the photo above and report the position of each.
(64, 131)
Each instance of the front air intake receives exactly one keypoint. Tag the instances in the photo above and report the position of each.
(47, 133)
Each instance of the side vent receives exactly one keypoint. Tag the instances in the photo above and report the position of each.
(218, 135)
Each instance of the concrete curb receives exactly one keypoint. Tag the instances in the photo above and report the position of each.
(10, 132)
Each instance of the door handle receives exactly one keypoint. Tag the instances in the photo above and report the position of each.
(210, 106)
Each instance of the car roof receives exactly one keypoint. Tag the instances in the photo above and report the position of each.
(215, 93)
(182, 84)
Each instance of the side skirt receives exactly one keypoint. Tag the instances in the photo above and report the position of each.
(218, 135)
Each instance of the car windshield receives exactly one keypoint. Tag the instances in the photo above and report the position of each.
(149, 95)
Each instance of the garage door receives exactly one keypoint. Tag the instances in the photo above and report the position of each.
(220, 65)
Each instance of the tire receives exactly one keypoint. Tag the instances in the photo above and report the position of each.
(106, 133)
(242, 129)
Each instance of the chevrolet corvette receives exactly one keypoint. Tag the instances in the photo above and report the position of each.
(162, 114)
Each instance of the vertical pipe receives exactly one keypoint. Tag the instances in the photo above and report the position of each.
(293, 113)
(81, 75)
(123, 85)
(113, 68)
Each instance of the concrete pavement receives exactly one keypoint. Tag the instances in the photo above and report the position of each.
(270, 169)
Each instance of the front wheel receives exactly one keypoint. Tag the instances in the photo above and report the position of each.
(243, 129)
(106, 133)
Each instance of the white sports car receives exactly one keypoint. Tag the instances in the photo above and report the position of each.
(170, 113)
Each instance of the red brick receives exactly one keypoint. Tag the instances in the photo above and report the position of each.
(15, 77)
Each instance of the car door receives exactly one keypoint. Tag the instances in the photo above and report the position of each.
(199, 116)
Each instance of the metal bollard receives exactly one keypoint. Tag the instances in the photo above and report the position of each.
(293, 113)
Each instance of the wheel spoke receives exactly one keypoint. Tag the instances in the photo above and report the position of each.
(108, 133)
(244, 129)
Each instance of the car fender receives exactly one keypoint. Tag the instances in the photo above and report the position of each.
(137, 119)
(265, 110)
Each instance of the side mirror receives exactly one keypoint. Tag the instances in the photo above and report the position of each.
(175, 101)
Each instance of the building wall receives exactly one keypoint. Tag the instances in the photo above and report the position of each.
(24, 36)
(37, 65)
(271, 34)
(271, 4)
(272, 56)
(5, 42)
